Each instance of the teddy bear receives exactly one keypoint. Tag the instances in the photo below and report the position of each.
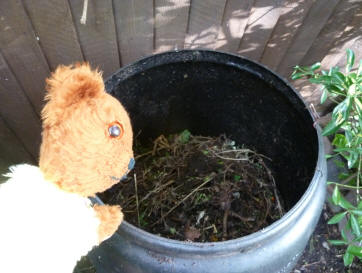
(47, 221)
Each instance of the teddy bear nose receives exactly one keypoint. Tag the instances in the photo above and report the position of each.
(131, 163)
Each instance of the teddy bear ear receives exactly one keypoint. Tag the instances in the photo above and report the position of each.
(68, 85)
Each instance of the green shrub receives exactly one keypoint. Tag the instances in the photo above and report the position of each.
(345, 126)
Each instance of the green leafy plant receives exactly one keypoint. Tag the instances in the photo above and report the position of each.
(345, 126)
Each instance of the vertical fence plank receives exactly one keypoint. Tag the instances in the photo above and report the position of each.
(292, 15)
(312, 25)
(204, 23)
(97, 36)
(336, 31)
(11, 150)
(17, 112)
(21, 50)
(263, 17)
(234, 23)
(134, 23)
(351, 37)
(171, 18)
(53, 24)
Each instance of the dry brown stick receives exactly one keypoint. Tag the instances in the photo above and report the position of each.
(267, 209)
(244, 219)
(245, 151)
(156, 190)
(136, 194)
(225, 224)
(230, 158)
(142, 155)
(349, 178)
(281, 212)
(184, 199)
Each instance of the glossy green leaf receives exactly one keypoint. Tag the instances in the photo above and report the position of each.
(341, 112)
(324, 95)
(339, 163)
(337, 218)
(352, 77)
(350, 60)
(355, 250)
(347, 149)
(336, 89)
(185, 136)
(359, 219)
(333, 70)
(337, 242)
(326, 80)
(360, 205)
(339, 140)
(352, 90)
(358, 105)
(339, 77)
(358, 238)
(347, 259)
(330, 128)
(296, 76)
(344, 236)
(336, 196)
(343, 175)
(349, 137)
(344, 203)
(355, 227)
(359, 72)
(315, 66)
(357, 212)
(352, 159)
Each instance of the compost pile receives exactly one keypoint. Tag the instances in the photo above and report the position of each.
(202, 189)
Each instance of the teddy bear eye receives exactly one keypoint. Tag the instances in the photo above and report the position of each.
(115, 130)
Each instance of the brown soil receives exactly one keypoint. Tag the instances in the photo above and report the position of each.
(198, 188)
(321, 257)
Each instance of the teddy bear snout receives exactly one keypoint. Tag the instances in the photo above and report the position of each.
(131, 164)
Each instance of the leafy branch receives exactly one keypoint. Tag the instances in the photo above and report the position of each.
(345, 126)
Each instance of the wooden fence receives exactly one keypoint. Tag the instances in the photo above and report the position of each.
(38, 35)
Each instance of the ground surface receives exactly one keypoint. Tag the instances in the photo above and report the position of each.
(319, 256)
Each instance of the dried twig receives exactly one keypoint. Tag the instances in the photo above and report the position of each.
(244, 219)
(225, 224)
(281, 212)
(242, 151)
(184, 199)
(136, 194)
(156, 190)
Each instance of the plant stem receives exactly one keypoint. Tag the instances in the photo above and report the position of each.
(184, 199)
(349, 178)
(136, 194)
(358, 174)
(342, 185)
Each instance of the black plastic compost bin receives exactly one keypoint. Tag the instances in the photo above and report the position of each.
(212, 93)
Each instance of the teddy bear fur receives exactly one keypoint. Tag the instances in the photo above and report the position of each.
(46, 220)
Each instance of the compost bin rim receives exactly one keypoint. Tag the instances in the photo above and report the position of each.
(143, 237)
(144, 63)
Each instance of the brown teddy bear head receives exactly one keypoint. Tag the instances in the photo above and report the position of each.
(87, 135)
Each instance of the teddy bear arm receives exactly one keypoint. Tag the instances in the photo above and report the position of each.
(110, 218)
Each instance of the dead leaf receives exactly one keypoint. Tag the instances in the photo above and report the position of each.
(192, 233)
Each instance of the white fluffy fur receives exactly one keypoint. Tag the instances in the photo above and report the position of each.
(42, 228)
